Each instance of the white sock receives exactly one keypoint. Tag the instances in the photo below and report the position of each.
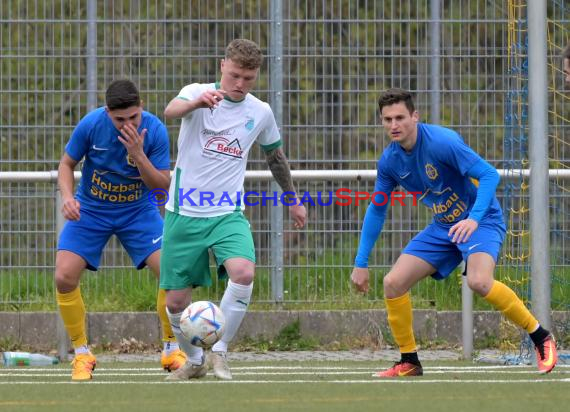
(234, 305)
(81, 350)
(220, 346)
(194, 353)
(169, 347)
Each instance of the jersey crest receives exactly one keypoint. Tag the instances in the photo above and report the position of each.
(431, 171)
(249, 124)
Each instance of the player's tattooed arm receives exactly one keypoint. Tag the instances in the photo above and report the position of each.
(280, 170)
(279, 167)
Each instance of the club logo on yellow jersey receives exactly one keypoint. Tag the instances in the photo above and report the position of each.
(130, 161)
(431, 171)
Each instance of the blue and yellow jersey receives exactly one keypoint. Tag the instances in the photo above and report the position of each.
(110, 178)
(436, 167)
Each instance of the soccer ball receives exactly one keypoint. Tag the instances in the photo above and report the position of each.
(202, 323)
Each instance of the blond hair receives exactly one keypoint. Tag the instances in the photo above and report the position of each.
(245, 53)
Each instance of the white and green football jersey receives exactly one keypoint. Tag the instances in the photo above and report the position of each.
(213, 146)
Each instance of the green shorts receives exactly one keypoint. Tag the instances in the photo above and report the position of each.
(184, 258)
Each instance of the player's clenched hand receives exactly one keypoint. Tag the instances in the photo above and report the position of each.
(299, 215)
(210, 99)
(463, 230)
(132, 140)
(70, 209)
(360, 278)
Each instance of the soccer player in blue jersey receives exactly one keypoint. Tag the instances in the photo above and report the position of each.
(467, 225)
(125, 152)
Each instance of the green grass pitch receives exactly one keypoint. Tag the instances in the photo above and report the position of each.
(289, 386)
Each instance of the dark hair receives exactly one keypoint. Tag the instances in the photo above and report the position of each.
(122, 94)
(393, 96)
(566, 52)
(245, 53)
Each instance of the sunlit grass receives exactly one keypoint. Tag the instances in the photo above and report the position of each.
(307, 287)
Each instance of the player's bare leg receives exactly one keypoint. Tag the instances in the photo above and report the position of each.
(480, 270)
(172, 357)
(406, 272)
(234, 305)
(195, 366)
(68, 269)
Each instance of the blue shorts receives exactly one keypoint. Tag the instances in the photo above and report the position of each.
(139, 230)
(435, 246)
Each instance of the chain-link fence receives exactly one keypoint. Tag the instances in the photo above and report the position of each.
(326, 63)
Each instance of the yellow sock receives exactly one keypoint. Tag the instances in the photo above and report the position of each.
(167, 334)
(72, 311)
(504, 299)
(400, 320)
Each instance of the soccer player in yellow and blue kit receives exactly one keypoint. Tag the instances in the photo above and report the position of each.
(126, 153)
(467, 225)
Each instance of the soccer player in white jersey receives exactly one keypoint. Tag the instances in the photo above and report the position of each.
(220, 123)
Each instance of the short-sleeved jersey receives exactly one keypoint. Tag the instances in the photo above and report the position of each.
(110, 178)
(436, 167)
(213, 147)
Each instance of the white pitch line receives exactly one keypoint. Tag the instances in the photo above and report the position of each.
(375, 381)
(307, 368)
(275, 373)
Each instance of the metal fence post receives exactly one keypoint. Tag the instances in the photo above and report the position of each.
(435, 61)
(91, 63)
(276, 101)
(466, 315)
(62, 336)
(91, 86)
(538, 153)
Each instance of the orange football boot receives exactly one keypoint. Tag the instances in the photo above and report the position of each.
(173, 361)
(83, 366)
(546, 355)
(401, 369)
